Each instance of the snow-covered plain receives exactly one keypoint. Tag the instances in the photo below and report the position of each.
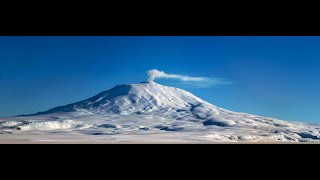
(148, 112)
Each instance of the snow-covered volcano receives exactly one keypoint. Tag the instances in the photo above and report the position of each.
(152, 112)
(139, 98)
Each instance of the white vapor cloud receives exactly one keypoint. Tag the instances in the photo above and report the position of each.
(196, 81)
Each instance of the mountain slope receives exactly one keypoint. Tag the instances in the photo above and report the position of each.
(134, 98)
(149, 109)
(150, 97)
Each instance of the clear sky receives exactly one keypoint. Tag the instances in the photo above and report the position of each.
(271, 76)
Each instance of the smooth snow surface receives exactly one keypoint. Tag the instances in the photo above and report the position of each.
(150, 112)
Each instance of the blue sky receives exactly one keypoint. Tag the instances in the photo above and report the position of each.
(271, 76)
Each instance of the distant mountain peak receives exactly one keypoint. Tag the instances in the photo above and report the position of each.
(132, 98)
(151, 106)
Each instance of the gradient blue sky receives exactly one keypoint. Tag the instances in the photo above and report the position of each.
(272, 76)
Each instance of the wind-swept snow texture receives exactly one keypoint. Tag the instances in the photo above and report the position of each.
(150, 112)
